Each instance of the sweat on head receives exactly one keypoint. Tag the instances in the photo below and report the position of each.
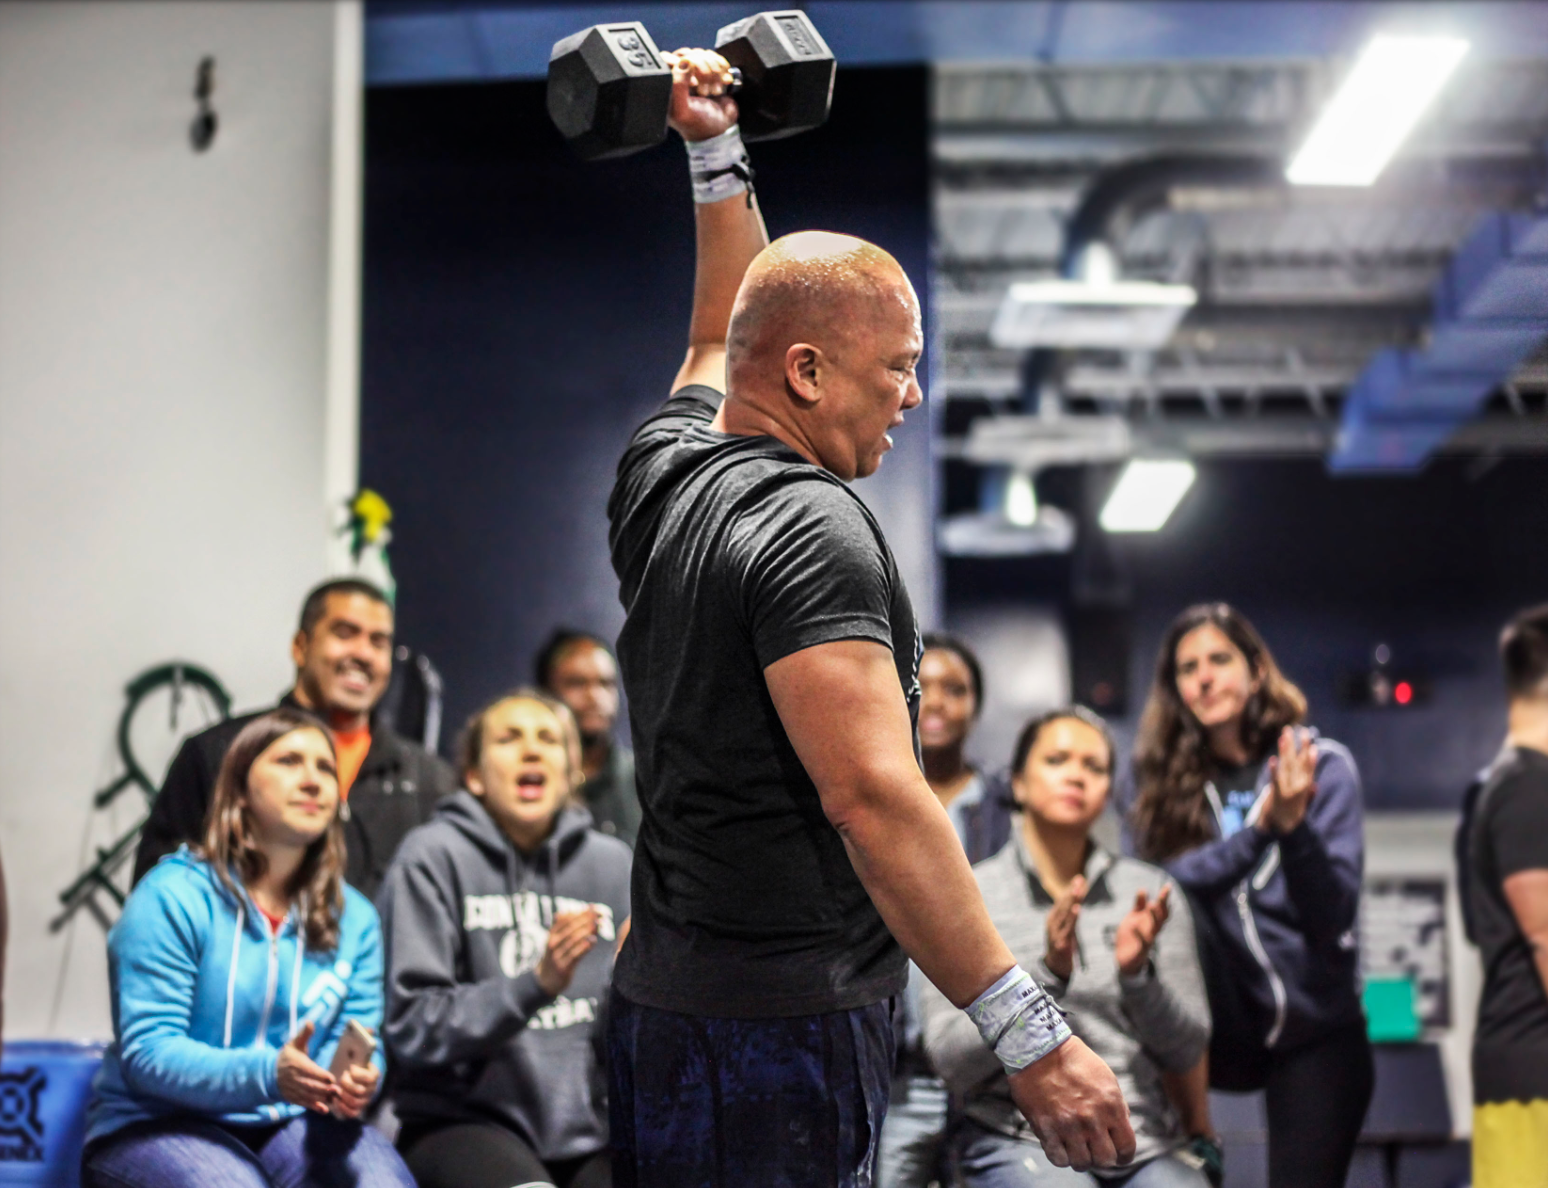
(823, 340)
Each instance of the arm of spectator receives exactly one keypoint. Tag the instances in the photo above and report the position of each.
(153, 951)
(1165, 999)
(363, 1004)
(431, 1017)
(1517, 824)
(956, 1051)
(1527, 893)
(178, 812)
(1214, 866)
(729, 233)
(1323, 856)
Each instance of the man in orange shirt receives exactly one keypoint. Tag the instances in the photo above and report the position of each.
(342, 651)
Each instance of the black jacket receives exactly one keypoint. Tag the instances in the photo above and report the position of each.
(397, 788)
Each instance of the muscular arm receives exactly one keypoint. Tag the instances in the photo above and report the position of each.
(1527, 893)
(728, 233)
(844, 711)
(898, 836)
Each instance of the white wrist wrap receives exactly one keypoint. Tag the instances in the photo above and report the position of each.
(1018, 1020)
(719, 166)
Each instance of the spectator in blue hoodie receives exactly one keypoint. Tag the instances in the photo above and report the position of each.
(502, 915)
(1259, 820)
(231, 965)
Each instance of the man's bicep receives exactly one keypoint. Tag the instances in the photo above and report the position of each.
(1527, 893)
(843, 709)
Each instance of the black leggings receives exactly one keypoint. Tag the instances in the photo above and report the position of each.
(485, 1155)
(1316, 1097)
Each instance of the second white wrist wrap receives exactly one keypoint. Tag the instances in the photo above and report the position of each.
(1018, 1020)
(719, 166)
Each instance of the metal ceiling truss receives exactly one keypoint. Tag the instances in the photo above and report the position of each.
(1298, 287)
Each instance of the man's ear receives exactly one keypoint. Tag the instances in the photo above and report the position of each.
(299, 645)
(805, 370)
(473, 782)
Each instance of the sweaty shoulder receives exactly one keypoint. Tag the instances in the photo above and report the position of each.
(810, 565)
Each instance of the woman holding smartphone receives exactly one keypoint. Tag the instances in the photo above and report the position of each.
(236, 969)
(1259, 820)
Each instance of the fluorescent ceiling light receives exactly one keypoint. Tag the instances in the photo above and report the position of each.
(1120, 315)
(1021, 500)
(1147, 492)
(1392, 83)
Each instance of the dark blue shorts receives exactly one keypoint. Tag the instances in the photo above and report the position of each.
(747, 1103)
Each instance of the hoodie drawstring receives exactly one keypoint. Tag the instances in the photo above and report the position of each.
(295, 977)
(236, 949)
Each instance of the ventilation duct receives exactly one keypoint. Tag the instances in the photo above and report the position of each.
(1490, 315)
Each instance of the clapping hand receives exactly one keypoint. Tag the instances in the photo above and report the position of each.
(1292, 781)
(1138, 930)
(570, 939)
(1062, 941)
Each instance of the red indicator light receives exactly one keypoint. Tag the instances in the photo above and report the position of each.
(1402, 693)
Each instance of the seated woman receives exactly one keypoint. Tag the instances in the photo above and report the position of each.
(493, 911)
(231, 962)
(1088, 924)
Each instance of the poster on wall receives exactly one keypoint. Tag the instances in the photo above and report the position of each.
(1403, 934)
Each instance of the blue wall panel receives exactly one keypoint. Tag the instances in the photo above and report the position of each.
(1326, 567)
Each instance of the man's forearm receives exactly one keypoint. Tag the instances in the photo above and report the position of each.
(729, 235)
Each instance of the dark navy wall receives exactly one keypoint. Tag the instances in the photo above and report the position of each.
(1327, 568)
(523, 313)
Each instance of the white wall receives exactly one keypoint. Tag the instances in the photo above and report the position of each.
(1025, 659)
(164, 404)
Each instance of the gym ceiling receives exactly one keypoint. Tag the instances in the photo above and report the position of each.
(1329, 320)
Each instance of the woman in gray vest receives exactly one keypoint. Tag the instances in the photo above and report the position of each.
(1111, 941)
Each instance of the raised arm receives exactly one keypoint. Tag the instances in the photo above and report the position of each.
(907, 855)
(729, 231)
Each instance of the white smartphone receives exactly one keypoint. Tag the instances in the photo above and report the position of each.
(355, 1048)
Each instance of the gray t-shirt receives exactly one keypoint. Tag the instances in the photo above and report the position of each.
(732, 553)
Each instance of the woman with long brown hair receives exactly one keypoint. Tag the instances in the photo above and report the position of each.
(237, 969)
(1259, 820)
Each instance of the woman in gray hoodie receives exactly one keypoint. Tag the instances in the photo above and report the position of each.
(1110, 940)
(501, 917)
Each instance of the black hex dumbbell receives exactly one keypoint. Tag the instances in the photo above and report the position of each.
(610, 91)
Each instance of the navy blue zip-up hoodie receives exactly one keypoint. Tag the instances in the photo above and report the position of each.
(1284, 906)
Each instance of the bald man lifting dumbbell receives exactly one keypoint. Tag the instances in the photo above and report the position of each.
(791, 851)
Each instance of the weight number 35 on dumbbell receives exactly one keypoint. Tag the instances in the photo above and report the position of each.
(609, 89)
